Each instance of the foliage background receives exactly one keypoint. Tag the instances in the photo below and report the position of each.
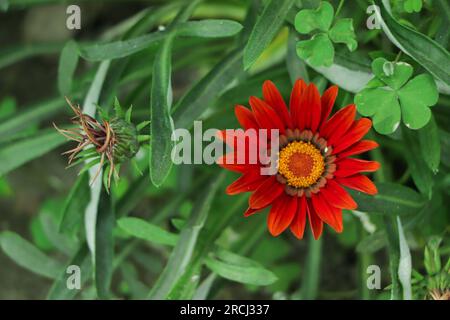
(42, 205)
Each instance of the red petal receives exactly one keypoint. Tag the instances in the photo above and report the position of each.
(234, 166)
(249, 181)
(245, 117)
(338, 124)
(314, 221)
(299, 222)
(294, 103)
(281, 214)
(337, 196)
(354, 134)
(251, 211)
(348, 167)
(328, 99)
(329, 214)
(310, 108)
(273, 97)
(360, 183)
(266, 193)
(358, 148)
(265, 116)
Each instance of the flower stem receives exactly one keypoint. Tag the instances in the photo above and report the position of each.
(341, 3)
(311, 275)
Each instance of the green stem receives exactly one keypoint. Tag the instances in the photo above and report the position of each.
(390, 224)
(364, 260)
(341, 3)
(311, 276)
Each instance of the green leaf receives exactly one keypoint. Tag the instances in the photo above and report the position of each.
(350, 73)
(372, 243)
(235, 259)
(32, 115)
(143, 230)
(391, 199)
(67, 65)
(17, 153)
(385, 102)
(296, 67)
(104, 245)
(59, 289)
(415, 98)
(394, 74)
(308, 20)
(75, 203)
(28, 256)
(161, 125)
(7, 107)
(343, 32)
(421, 174)
(181, 256)
(209, 28)
(265, 29)
(16, 54)
(381, 104)
(411, 6)
(89, 108)
(121, 48)
(421, 48)
(318, 51)
(243, 274)
(207, 90)
(430, 147)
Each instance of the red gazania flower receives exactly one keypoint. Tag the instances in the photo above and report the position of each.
(314, 163)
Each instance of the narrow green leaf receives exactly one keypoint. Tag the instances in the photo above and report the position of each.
(120, 48)
(17, 153)
(15, 54)
(404, 265)
(265, 29)
(392, 199)
(144, 230)
(430, 146)
(28, 256)
(421, 48)
(421, 174)
(243, 274)
(60, 290)
(347, 72)
(161, 125)
(31, 115)
(372, 243)
(104, 245)
(209, 28)
(181, 255)
(67, 65)
(207, 90)
(75, 203)
(89, 108)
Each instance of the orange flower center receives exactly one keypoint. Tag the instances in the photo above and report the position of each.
(301, 163)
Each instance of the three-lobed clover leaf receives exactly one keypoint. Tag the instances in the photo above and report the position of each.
(389, 97)
(319, 50)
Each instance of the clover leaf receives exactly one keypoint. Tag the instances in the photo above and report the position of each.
(389, 97)
(411, 6)
(308, 20)
(319, 49)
